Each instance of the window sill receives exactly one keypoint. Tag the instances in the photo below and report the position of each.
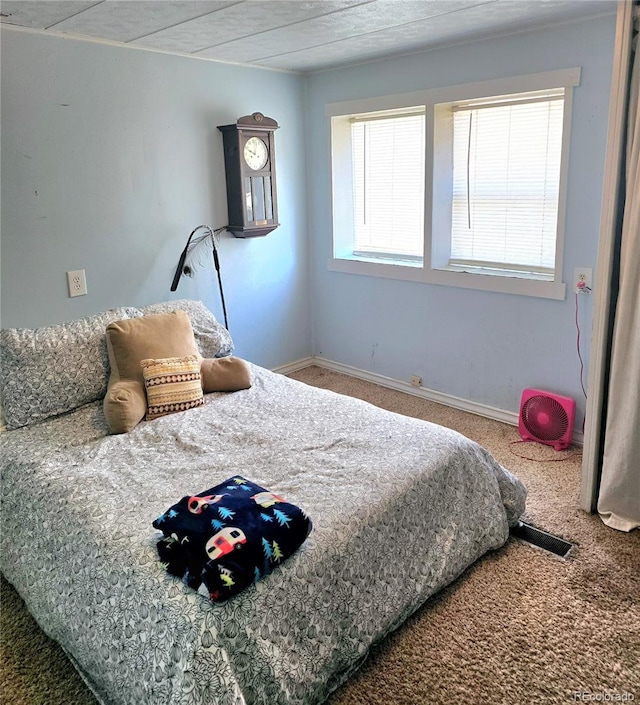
(408, 271)
(517, 283)
(373, 267)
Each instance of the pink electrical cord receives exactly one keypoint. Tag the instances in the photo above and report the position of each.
(584, 391)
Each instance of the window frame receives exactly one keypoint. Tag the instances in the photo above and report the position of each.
(434, 269)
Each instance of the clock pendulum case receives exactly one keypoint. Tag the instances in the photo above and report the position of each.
(249, 159)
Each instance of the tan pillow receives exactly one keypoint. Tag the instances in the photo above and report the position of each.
(154, 336)
(172, 384)
(224, 374)
(124, 405)
(130, 341)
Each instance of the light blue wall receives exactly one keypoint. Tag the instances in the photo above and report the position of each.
(111, 156)
(481, 346)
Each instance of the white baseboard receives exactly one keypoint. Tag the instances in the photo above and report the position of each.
(294, 366)
(489, 412)
(423, 392)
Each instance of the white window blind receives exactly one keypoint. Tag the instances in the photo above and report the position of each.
(506, 181)
(388, 154)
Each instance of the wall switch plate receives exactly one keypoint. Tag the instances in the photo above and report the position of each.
(582, 280)
(77, 283)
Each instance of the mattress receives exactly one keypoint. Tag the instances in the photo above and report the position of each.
(400, 507)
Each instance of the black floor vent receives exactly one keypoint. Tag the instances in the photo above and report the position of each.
(541, 539)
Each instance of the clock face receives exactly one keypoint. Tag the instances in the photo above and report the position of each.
(256, 153)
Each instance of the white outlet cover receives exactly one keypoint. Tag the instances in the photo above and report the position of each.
(77, 283)
(582, 274)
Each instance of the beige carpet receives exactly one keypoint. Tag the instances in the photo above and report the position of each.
(520, 626)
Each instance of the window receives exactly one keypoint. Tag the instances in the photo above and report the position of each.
(388, 184)
(503, 157)
(461, 186)
(506, 182)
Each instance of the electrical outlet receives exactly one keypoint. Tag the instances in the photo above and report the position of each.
(416, 381)
(77, 283)
(582, 280)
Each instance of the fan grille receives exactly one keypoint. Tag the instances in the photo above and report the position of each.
(545, 418)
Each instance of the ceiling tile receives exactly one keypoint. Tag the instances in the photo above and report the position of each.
(357, 21)
(125, 20)
(470, 23)
(240, 20)
(40, 14)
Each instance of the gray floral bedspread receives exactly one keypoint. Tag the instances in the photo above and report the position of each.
(400, 507)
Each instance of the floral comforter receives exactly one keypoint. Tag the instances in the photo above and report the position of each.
(399, 506)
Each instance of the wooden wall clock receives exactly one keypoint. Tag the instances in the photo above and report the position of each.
(249, 159)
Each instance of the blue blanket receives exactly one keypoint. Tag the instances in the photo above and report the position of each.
(229, 536)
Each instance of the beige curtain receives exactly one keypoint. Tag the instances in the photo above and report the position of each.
(619, 497)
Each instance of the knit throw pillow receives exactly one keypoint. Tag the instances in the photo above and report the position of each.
(172, 384)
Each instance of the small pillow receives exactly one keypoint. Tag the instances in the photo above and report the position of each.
(172, 384)
(212, 339)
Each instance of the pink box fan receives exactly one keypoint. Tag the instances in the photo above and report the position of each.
(546, 418)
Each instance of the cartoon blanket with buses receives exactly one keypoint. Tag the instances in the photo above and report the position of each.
(229, 536)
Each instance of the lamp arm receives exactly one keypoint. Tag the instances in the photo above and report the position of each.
(183, 258)
(179, 268)
(216, 261)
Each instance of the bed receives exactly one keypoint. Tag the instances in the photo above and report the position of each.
(400, 507)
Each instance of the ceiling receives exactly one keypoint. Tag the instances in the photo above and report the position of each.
(295, 35)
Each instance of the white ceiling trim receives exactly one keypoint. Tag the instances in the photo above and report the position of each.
(136, 47)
